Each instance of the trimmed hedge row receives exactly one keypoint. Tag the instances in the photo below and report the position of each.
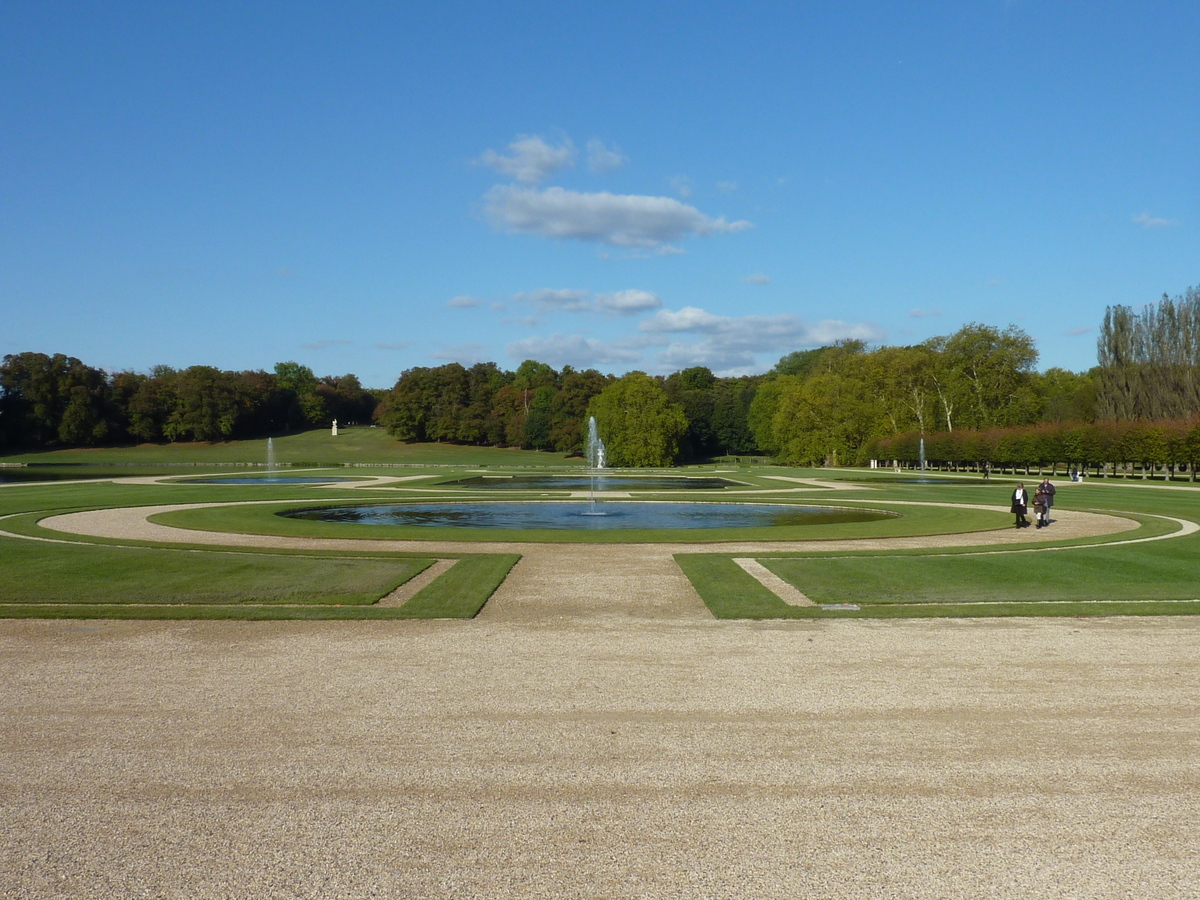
(1103, 447)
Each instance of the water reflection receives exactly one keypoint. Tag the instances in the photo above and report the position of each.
(611, 515)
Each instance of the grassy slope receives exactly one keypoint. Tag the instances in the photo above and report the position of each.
(352, 445)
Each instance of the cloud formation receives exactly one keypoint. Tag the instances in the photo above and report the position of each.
(563, 299)
(560, 350)
(463, 301)
(604, 159)
(531, 160)
(730, 345)
(757, 278)
(628, 302)
(920, 313)
(465, 354)
(1148, 221)
(620, 220)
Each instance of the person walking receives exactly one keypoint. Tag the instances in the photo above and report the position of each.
(1039, 507)
(1047, 489)
(1020, 505)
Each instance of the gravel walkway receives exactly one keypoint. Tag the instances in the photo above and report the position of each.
(622, 756)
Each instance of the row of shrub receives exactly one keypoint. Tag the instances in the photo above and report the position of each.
(1116, 447)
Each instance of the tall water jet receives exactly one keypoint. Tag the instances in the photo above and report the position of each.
(922, 454)
(594, 451)
(270, 458)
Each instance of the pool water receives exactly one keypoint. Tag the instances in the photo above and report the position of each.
(577, 515)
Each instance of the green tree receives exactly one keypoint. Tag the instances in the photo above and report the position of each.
(638, 423)
(997, 368)
(694, 390)
(44, 399)
(570, 407)
(206, 407)
(308, 407)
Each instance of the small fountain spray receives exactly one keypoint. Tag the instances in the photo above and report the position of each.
(595, 460)
(270, 459)
(922, 454)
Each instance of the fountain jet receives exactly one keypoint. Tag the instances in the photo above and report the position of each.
(595, 460)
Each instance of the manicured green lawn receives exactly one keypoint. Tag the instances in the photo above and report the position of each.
(116, 577)
(41, 573)
(1100, 576)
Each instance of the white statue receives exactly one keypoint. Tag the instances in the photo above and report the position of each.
(335, 427)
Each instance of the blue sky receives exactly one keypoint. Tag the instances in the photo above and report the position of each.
(371, 187)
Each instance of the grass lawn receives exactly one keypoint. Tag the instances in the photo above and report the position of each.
(41, 573)
(116, 577)
(352, 446)
(1096, 577)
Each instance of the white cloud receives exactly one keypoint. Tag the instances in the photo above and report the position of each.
(757, 278)
(923, 313)
(731, 344)
(727, 187)
(462, 301)
(621, 220)
(604, 159)
(523, 321)
(1148, 221)
(723, 361)
(619, 303)
(690, 318)
(324, 344)
(628, 302)
(682, 185)
(1082, 330)
(531, 160)
(559, 350)
(564, 299)
(465, 354)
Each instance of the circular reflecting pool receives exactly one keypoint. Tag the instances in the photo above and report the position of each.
(602, 483)
(266, 479)
(575, 515)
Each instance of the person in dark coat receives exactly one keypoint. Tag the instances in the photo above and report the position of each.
(1047, 489)
(1020, 505)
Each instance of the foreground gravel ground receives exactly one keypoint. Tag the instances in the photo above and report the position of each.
(581, 749)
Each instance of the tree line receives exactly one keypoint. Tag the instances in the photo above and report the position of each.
(1149, 362)
(58, 400)
(826, 406)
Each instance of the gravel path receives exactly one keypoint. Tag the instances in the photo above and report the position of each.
(649, 757)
